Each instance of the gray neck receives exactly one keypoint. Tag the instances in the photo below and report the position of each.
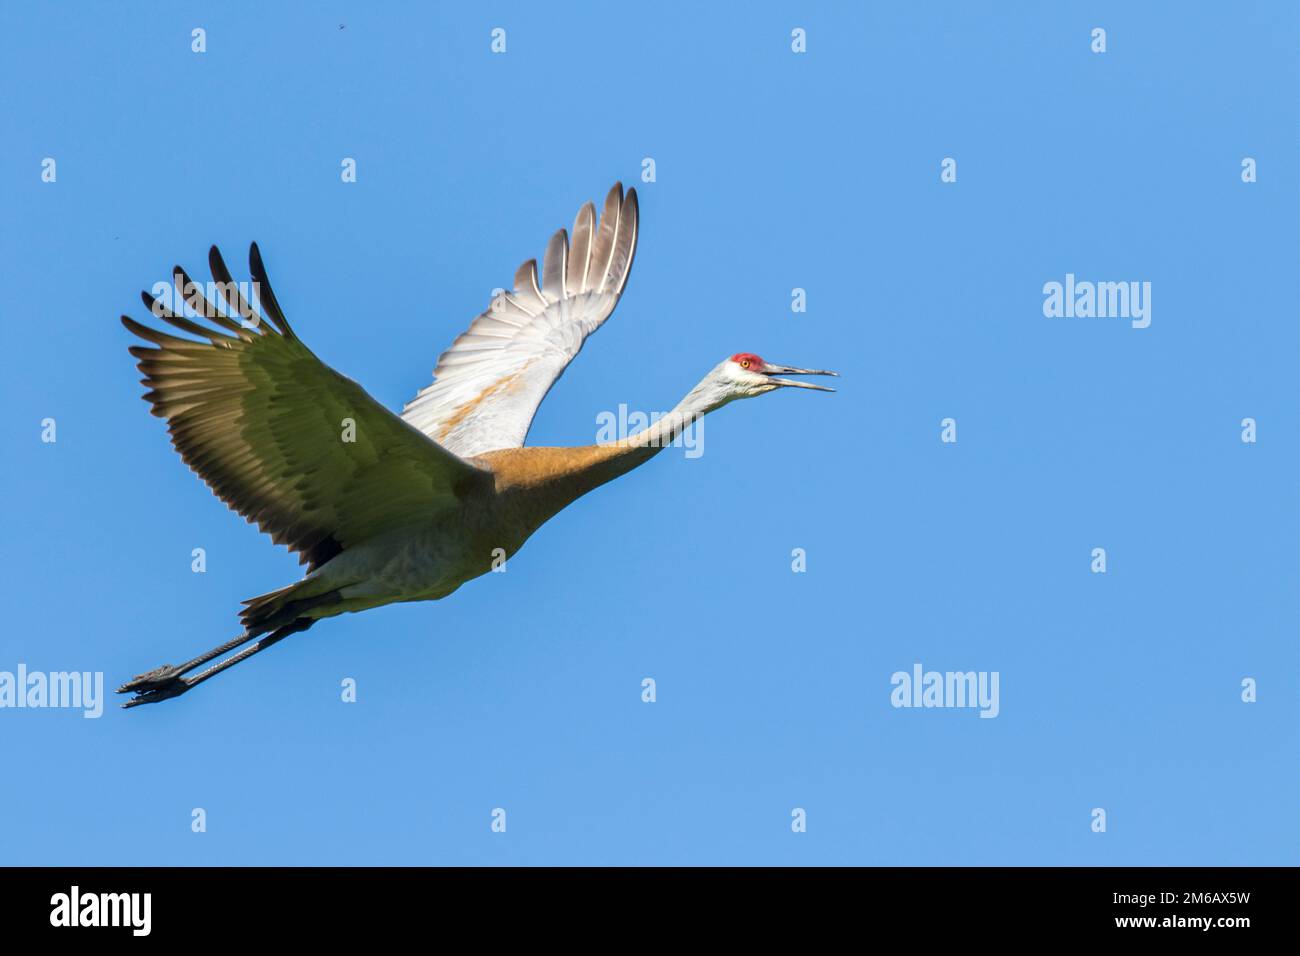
(699, 401)
(616, 458)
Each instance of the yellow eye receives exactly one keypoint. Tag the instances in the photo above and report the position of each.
(745, 364)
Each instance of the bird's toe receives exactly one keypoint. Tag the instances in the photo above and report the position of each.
(156, 678)
(174, 688)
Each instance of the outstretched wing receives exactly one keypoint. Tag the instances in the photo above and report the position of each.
(281, 437)
(488, 385)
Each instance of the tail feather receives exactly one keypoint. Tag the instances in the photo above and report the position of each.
(281, 608)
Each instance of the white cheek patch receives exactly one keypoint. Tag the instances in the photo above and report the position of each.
(743, 376)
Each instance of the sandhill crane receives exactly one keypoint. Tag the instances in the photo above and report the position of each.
(409, 507)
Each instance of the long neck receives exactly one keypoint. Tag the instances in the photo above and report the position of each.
(559, 476)
(657, 436)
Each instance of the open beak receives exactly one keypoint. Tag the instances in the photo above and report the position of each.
(773, 370)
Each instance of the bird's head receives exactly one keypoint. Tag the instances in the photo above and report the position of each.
(745, 375)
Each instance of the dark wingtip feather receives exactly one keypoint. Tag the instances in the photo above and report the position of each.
(198, 300)
(229, 291)
(265, 294)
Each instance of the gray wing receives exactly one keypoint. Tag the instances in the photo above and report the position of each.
(263, 422)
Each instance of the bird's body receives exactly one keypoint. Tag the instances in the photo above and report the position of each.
(385, 508)
(524, 488)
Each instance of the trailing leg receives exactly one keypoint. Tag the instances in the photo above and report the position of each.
(163, 683)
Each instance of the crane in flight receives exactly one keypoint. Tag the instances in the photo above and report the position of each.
(380, 507)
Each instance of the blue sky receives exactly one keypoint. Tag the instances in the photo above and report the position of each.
(774, 171)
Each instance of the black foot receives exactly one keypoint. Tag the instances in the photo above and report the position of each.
(174, 688)
(150, 680)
